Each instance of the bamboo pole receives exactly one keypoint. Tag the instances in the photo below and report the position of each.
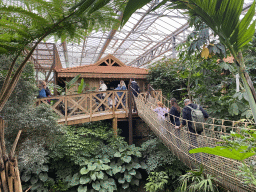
(17, 181)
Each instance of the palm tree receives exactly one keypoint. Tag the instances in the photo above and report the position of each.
(223, 17)
(24, 27)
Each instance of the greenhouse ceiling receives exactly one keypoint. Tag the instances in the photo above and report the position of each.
(147, 37)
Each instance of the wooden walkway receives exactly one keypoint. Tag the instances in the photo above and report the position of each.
(88, 107)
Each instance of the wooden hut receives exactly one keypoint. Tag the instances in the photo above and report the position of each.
(109, 69)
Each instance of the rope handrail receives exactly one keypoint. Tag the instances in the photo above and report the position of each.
(214, 120)
(180, 141)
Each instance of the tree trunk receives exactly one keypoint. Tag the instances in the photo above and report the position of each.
(9, 171)
(248, 85)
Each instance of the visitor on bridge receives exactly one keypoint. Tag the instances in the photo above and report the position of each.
(174, 113)
(187, 115)
(191, 112)
(161, 111)
(175, 120)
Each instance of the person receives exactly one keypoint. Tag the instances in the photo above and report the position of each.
(42, 92)
(174, 113)
(123, 87)
(186, 114)
(161, 111)
(103, 87)
(119, 95)
(47, 90)
(175, 119)
(135, 87)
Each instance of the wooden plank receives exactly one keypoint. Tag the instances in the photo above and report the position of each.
(130, 114)
(115, 126)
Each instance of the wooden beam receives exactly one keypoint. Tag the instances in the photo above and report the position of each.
(130, 114)
(115, 126)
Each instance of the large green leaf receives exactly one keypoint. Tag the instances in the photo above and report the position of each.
(84, 171)
(131, 7)
(82, 188)
(237, 154)
(84, 180)
(96, 185)
(43, 177)
(75, 180)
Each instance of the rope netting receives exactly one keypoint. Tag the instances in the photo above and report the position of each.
(180, 141)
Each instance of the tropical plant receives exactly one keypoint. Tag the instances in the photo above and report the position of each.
(156, 181)
(223, 17)
(237, 146)
(158, 158)
(95, 160)
(197, 181)
(24, 27)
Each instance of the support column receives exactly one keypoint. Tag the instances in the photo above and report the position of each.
(114, 124)
(130, 114)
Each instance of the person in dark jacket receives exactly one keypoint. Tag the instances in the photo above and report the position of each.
(174, 118)
(174, 112)
(186, 114)
(47, 90)
(135, 87)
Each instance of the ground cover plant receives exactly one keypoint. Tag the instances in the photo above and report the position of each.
(160, 161)
(95, 160)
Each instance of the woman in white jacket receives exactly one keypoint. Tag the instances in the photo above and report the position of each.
(103, 87)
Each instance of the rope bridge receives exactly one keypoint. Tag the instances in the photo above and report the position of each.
(180, 141)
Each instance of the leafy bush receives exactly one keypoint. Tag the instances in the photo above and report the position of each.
(91, 158)
(156, 181)
(38, 124)
(159, 158)
(196, 181)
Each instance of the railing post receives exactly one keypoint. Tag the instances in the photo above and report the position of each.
(130, 114)
(90, 107)
(66, 109)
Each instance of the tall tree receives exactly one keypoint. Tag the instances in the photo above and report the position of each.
(223, 17)
(24, 25)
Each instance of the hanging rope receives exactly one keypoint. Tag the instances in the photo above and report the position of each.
(180, 141)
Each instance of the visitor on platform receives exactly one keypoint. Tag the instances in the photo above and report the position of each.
(103, 87)
(42, 92)
(161, 111)
(119, 94)
(123, 87)
(47, 90)
(135, 87)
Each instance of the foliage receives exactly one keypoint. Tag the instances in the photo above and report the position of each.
(164, 75)
(38, 125)
(95, 160)
(239, 147)
(156, 181)
(195, 180)
(25, 24)
(159, 158)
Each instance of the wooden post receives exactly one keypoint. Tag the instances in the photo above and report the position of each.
(130, 114)
(90, 107)
(66, 109)
(115, 126)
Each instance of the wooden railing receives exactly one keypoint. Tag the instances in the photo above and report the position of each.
(88, 104)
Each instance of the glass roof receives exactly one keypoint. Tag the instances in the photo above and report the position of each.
(146, 37)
